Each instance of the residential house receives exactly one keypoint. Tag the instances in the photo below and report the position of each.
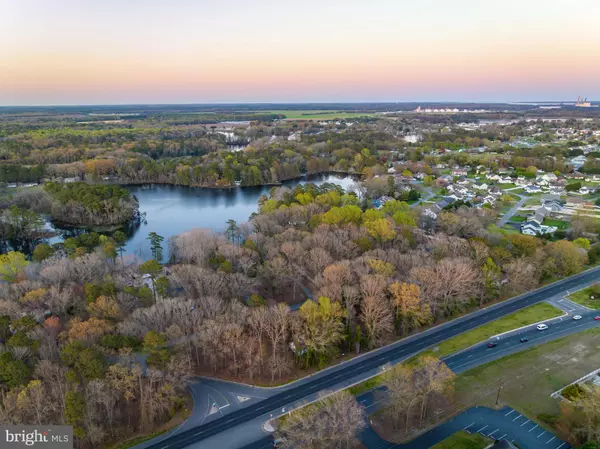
(549, 177)
(584, 190)
(391, 170)
(460, 172)
(535, 228)
(505, 180)
(522, 181)
(483, 186)
(577, 162)
(539, 214)
(533, 189)
(574, 202)
(443, 181)
(489, 199)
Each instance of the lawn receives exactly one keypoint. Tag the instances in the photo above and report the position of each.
(560, 224)
(535, 199)
(464, 440)
(524, 317)
(508, 229)
(529, 377)
(506, 186)
(518, 218)
(583, 297)
(319, 114)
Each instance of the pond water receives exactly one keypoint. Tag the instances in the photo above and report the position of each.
(171, 210)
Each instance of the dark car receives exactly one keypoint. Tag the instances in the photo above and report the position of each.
(524, 339)
(492, 344)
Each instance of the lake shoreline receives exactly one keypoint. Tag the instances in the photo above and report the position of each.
(356, 176)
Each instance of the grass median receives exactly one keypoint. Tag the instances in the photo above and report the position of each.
(583, 297)
(529, 315)
(523, 317)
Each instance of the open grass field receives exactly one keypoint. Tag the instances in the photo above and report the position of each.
(529, 377)
(524, 317)
(463, 440)
(583, 297)
(319, 114)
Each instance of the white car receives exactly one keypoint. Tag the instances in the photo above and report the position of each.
(542, 327)
(576, 317)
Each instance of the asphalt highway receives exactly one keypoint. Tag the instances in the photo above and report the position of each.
(368, 362)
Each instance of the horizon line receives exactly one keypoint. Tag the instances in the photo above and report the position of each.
(523, 102)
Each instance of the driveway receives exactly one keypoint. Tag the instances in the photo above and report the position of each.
(513, 210)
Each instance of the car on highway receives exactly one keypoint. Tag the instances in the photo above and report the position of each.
(493, 342)
(576, 317)
(597, 318)
(524, 339)
(542, 327)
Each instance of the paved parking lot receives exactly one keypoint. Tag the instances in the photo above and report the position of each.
(503, 424)
(508, 424)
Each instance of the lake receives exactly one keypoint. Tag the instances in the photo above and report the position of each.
(171, 210)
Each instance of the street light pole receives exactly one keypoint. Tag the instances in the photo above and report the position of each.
(498, 396)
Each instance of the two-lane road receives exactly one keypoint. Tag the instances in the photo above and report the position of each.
(338, 376)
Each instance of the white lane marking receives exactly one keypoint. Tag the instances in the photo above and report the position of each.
(533, 428)
(517, 417)
(502, 436)
(509, 413)
(226, 405)
(550, 440)
(465, 428)
(541, 434)
(481, 429)
(490, 434)
(524, 423)
(560, 446)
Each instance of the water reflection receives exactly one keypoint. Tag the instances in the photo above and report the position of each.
(171, 210)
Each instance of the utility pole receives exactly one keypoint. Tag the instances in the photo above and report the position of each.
(498, 396)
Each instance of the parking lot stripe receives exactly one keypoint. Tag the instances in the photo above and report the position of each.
(517, 417)
(550, 440)
(524, 423)
(465, 428)
(533, 427)
(560, 446)
(502, 436)
(481, 429)
(490, 434)
(541, 434)
(509, 413)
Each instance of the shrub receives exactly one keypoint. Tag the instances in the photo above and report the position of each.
(573, 392)
(546, 418)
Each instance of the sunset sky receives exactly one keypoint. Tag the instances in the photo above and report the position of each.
(180, 51)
